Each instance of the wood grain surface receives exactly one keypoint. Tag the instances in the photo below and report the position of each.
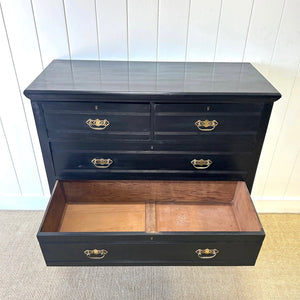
(153, 206)
(148, 190)
(103, 217)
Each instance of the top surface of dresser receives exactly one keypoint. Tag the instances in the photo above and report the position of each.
(190, 81)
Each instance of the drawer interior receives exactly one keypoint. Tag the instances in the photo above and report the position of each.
(150, 206)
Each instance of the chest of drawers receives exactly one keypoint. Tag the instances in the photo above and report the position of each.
(150, 163)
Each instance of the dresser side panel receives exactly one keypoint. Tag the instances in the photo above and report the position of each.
(262, 129)
(45, 146)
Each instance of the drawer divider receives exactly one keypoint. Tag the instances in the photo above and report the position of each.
(150, 216)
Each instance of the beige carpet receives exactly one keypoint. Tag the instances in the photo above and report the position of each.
(23, 274)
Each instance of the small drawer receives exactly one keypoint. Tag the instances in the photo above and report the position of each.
(97, 126)
(150, 223)
(90, 121)
(199, 126)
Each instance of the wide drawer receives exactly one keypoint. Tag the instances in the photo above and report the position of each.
(150, 223)
(149, 160)
(149, 253)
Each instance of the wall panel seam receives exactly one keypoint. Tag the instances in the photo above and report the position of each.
(265, 179)
(97, 30)
(37, 35)
(22, 102)
(247, 35)
(218, 30)
(187, 31)
(67, 31)
(127, 31)
(277, 34)
(290, 176)
(157, 30)
(280, 129)
(10, 155)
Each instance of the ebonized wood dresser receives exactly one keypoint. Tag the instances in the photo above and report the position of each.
(150, 163)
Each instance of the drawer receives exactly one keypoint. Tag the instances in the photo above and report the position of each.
(206, 124)
(129, 222)
(73, 253)
(103, 161)
(83, 121)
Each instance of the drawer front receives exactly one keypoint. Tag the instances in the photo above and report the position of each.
(151, 223)
(94, 120)
(150, 253)
(96, 125)
(206, 125)
(105, 161)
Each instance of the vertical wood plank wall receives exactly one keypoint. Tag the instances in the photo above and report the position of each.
(263, 32)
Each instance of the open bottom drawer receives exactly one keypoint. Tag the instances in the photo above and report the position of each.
(150, 223)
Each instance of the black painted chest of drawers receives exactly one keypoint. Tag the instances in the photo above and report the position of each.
(151, 163)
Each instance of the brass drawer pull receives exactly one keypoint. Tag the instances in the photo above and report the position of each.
(95, 254)
(102, 163)
(207, 253)
(206, 125)
(97, 124)
(201, 164)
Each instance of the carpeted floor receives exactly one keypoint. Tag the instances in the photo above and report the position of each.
(23, 274)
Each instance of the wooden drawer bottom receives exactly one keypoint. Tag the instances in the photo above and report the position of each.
(150, 222)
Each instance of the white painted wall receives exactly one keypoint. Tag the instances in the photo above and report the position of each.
(263, 32)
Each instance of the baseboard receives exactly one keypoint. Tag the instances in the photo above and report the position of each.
(277, 206)
(34, 202)
(25, 202)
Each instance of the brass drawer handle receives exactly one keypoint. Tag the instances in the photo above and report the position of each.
(207, 253)
(95, 254)
(97, 124)
(206, 125)
(201, 164)
(102, 163)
